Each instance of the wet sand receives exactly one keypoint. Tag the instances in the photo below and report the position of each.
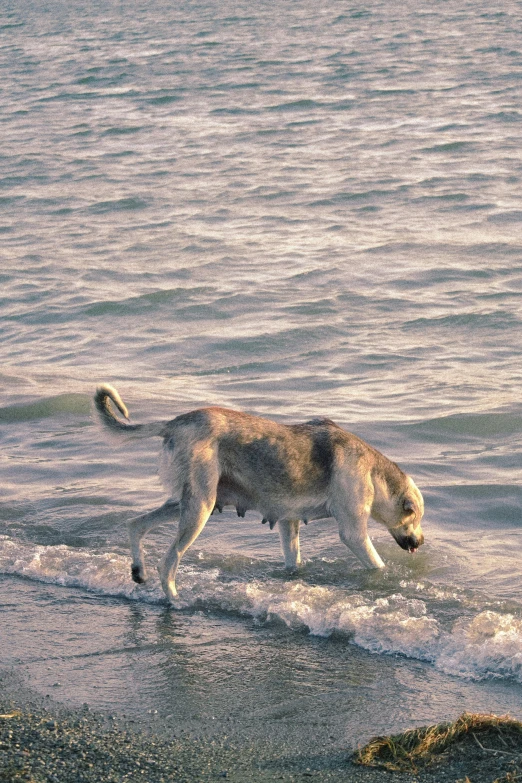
(103, 690)
(42, 741)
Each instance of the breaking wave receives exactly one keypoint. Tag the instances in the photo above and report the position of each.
(481, 643)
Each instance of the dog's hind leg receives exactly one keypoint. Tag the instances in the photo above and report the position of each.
(289, 537)
(138, 527)
(196, 507)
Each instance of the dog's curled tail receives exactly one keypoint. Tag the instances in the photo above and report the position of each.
(105, 394)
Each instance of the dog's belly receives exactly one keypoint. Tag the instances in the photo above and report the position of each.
(304, 510)
(230, 493)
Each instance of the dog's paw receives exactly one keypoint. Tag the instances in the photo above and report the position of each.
(170, 591)
(137, 575)
(168, 585)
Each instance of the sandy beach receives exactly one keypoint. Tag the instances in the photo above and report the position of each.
(41, 741)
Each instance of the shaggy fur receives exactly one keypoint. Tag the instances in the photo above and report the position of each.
(216, 457)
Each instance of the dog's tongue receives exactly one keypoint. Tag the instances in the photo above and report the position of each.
(412, 550)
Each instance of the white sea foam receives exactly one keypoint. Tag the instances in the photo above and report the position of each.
(487, 644)
(106, 573)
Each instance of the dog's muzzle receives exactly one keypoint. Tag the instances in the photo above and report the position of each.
(410, 543)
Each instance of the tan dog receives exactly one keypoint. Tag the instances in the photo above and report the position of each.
(215, 457)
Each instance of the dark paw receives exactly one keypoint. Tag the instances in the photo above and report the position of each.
(136, 575)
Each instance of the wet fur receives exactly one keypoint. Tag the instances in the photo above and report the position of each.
(216, 457)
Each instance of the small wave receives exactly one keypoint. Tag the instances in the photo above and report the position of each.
(498, 319)
(147, 302)
(50, 406)
(505, 116)
(122, 131)
(70, 96)
(511, 216)
(479, 425)
(97, 78)
(233, 111)
(117, 205)
(450, 146)
(305, 104)
(485, 645)
(357, 196)
(164, 99)
(385, 91)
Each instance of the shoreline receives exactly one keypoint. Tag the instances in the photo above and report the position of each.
(42, 741)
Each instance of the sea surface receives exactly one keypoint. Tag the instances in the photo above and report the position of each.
(295, 209)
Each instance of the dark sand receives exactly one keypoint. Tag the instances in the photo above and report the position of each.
(43, 742)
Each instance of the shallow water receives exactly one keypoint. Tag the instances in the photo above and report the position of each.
(295, 211)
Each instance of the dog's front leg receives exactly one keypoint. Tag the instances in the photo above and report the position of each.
(353, 532)
(289, 536)
(363, 549)
(351, 506)
(138, 527)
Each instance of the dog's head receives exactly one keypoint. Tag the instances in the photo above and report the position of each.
(402, 514)
(408, 533)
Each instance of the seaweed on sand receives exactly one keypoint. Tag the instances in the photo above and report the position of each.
(403, 752)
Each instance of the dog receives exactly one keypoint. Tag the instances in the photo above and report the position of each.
(215, 457)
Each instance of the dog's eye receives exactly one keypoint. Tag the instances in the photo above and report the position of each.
(408, 506)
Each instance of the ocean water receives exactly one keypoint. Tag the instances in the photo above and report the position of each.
(295, 210)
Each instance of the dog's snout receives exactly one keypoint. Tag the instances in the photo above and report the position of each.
(413, 542)
(410, 543)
